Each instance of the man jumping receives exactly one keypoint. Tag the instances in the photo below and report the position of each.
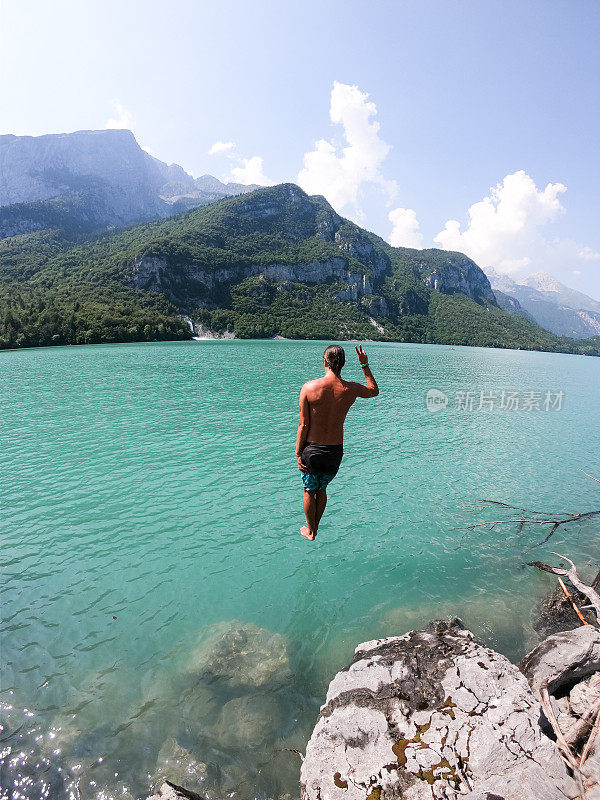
(324, 404)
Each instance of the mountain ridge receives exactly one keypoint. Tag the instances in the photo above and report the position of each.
(87, 180)
(270, 262)
(554, 306)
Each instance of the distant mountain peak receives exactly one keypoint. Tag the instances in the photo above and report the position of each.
(542, 281)
(554, 306)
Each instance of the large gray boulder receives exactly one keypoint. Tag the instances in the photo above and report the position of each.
(563, 658)
(431, 714)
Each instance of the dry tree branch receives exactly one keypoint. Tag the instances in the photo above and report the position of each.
(576, 581)
(590, 476)
(583, 725)
(591, 740)
(574, 605)
(561, 742)
(555, 519)
(526, 510)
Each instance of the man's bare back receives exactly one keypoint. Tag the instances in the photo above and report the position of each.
(324, 404)
(329, 399)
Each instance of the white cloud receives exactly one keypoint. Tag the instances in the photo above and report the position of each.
(338, 172)
(587, 254)
(250, 171)
(405, 230)
(221, 147)
(504, 229)
(122, 119)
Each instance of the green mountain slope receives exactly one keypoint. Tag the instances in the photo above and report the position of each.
(273, 261)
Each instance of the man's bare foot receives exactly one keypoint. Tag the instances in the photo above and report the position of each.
(305, 531)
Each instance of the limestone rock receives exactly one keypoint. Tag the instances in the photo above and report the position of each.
(154, 274)
(241, 655)
(457, 273)
(431, 714)
(585, 694)
(563, 658)
(119, 181)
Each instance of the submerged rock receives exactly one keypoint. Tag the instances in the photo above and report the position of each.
(241, 655)
(431, 714)
(497, 622)
(176, 764)
(171, 791)
(199, 709)
(249, 721)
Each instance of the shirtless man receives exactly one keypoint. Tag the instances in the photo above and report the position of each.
(324, 404)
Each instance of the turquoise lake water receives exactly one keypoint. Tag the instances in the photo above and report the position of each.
(156, 483)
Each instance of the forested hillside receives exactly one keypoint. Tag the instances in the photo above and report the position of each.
(271, 262)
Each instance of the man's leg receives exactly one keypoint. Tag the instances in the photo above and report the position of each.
(321, 503)
(309, 502)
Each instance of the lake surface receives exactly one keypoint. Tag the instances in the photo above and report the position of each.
(150, 492)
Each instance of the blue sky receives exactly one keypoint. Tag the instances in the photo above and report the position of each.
(467, 95)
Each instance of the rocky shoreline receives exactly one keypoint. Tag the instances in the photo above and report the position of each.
(434, 714)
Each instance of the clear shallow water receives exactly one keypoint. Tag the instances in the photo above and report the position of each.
(156, 483)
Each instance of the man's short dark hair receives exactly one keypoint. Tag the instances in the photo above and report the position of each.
(335, 358)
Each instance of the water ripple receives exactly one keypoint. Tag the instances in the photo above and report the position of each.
(151, 490)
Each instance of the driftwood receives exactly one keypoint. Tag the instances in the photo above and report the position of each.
(569, 742)
(590, 742)
(552, 519)
(571, 573)
(576, 732)
(569, 597)
(565, 750)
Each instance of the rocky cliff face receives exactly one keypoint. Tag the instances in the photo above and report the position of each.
(511, 304)
(198, 285)
(287, 212)
(558, 293)
(457, 273)
(38, 168)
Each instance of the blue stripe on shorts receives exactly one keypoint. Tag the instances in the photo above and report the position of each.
(313, 481)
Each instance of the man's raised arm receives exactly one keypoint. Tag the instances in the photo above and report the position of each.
(371, 389)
